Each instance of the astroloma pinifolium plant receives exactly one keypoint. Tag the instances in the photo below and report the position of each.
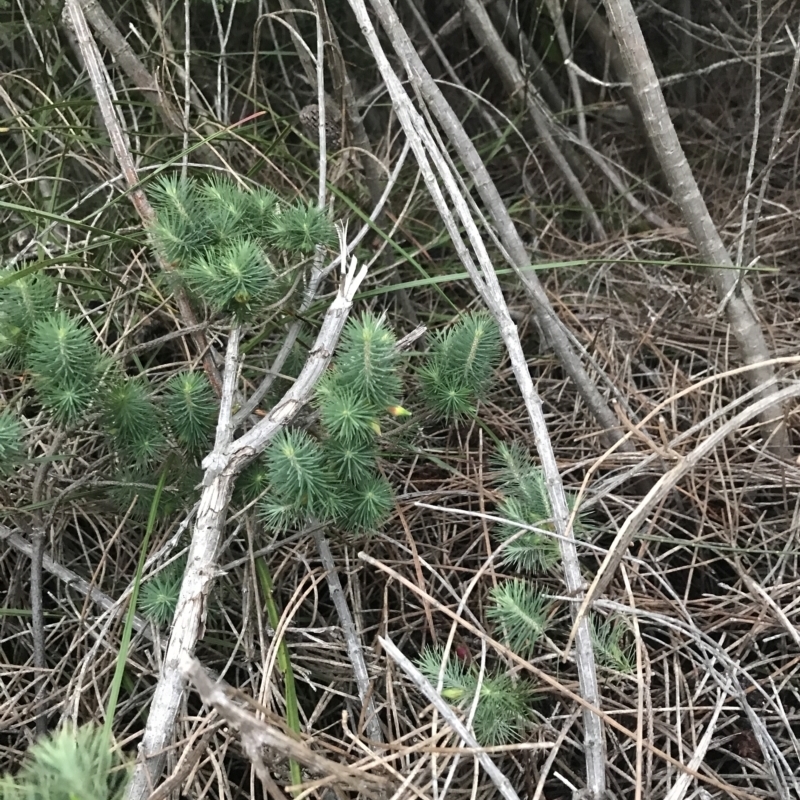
(333, 472)
(224, 243)
(239, 252)
(236, 251)
(518, 611)
(69, 765)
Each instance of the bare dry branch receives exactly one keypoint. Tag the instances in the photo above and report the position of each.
(733, 289)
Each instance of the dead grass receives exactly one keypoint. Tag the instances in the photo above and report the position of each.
(709, 590)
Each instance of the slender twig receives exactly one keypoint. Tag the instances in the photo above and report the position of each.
(38, 538)
(754, 141)
(284, 660)
(423, 684)
(482, 27)
(345, 95)
(588, 20)
(733, 290)
(532, 63)
(557, 16)
(309, 296)
(191, 754)
(515, 250)
(258, 736)
(561, 689)
(776, 144)
(351, 636)
(135, 70)
(100, 85)
(323, 143)
(151, 344)
(684, 781)
(70, 579)
(727, 679)
(665, 484)
(225, 427)
(128, 61)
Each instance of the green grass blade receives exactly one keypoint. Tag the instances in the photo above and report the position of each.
(125, 642)
(284, 664)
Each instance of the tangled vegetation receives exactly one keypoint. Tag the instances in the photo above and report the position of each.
(445, 412)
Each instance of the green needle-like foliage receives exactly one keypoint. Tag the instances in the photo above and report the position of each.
(300, 228)
(527, 502)
(475, 347)
(252, 482)
(521, 477)
(69, 765)
(175, 193)
(191, 410)
(449, 399)
(158, 597)
(132, 420)
(460, 365)
(368, 504)
(611, 647)
(235, 277)
(298, 472)
(258, 212)
(68, 402)
(23, 303)
(366, 362)
(515, 467)
(352, 463)
(280, 515)
(61, 348)
(530, 551)
(520, 612)
(223, 206)
(347, 415)
(179, 230)
(503, 711)
(65, 364)
(216, 234)
(458, 681)
(12, 442)
(336, 480)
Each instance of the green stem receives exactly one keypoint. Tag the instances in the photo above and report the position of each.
(284, 664)
(124, 645)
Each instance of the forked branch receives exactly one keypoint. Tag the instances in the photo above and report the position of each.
(222, 465)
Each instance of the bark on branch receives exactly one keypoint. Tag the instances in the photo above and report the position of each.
(732, 287)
